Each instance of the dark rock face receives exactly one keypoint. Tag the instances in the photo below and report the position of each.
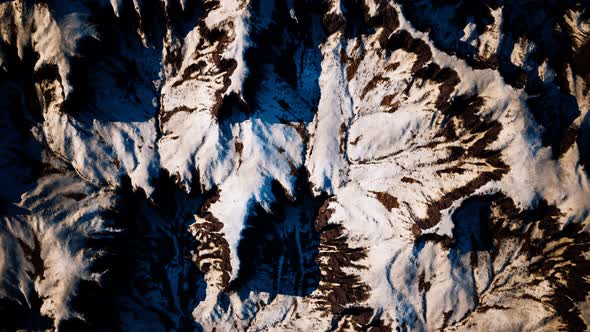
(294, 165)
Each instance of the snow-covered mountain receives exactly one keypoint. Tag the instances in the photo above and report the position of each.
(341, 165)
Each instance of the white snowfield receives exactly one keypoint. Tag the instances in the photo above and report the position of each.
(283, 165)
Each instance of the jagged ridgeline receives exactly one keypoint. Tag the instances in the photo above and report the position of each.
(340, 165)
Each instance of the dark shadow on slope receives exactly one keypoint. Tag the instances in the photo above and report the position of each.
(113, 71)
(284, 64)
(149, 277)
(583, 142)
(20, 153)
(472, 226)
(16, 316)
(278, 247)
(555, 111)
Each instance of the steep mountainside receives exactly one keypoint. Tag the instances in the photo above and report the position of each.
(336, 165)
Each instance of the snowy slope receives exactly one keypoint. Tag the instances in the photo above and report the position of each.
(292, 165)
